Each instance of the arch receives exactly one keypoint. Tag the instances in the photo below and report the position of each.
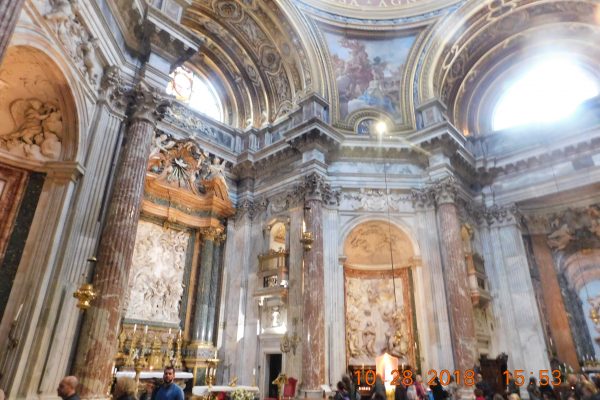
(77, 96)
(467, 52)
(398, 223)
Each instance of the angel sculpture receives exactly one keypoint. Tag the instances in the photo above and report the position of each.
(39, 128)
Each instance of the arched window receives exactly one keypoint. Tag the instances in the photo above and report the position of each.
(549, 91)
(196, 92)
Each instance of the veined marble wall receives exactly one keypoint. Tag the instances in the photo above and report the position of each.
(156, 281)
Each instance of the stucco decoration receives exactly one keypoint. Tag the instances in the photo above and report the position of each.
(369, 244)
(156, 282)
(38, 130)
(182, 164)
(75, 37)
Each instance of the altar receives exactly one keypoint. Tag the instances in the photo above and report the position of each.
(179, 375)
(205, 391)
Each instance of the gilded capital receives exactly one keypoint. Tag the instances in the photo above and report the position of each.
(212, 233)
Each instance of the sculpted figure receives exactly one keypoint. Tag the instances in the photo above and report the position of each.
(38, 129)
(369, 337)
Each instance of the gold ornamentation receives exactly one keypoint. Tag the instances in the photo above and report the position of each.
(85, 295)
(307, 240)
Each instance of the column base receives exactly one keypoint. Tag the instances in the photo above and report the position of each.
(200, 358)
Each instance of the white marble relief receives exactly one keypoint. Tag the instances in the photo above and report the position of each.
(156, 282)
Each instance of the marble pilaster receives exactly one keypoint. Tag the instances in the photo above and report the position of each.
(521, 324)
(460, 308)
(334, 297)
(436, 348)
(98, 339)
(9, 15)
(80, 243)
(556, 313)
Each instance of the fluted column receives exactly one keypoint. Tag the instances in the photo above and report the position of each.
(215, 280)
(313, 332)
(460, 307)
(98, 339)
(9, 15)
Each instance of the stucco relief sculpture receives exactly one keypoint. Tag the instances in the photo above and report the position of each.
(156, 283)
(78, 42)
(38, 130)
(182, 164)
(375, 322)
(580, 227)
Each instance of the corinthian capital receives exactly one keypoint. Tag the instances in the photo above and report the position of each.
(212, 233)
(148, 103)
(316, 187)
(422, 198)
(112, 89)
(445, 190)
(502, 215)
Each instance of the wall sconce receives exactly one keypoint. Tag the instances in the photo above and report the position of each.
(307, 240)
(86, 293)
(290, 342)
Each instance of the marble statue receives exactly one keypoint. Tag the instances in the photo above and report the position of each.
(38, 130)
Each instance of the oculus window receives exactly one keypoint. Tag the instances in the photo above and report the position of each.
(196, 92)
(549, 91)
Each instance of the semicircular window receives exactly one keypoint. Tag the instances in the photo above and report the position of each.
(549, 91)
(196, 92)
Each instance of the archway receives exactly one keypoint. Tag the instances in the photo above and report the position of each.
(379, 297)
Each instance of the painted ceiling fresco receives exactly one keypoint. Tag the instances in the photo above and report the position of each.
(369, 72)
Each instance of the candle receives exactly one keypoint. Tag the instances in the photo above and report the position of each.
(18, 313)
(169, 331)
(134, 328)
(180, 332)
(254, 371)
(145, 329)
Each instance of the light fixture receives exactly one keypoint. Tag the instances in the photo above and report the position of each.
(288, 343)
(307, 238)
(86, 293)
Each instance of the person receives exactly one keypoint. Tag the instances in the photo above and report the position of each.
(484, 386)
(438, 391)
(421, 394)
(479, 394)
(125, 389)
(400, 391)
(2, 396)
(169, 390)
(452, 389)
(151, 385)
(533, 389)
(512, 388)
(350, 387)
(341, 393)
(67, 388)
(378, 388)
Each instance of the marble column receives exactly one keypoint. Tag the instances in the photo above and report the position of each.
(556, 313)
(215, 280)
(313, 332)
(199, 329)
(9, 15)
(98, 338)
(460, 307)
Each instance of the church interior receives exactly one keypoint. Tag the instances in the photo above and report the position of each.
(269, 194)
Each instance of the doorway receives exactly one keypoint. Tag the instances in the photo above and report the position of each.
(273, 370)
